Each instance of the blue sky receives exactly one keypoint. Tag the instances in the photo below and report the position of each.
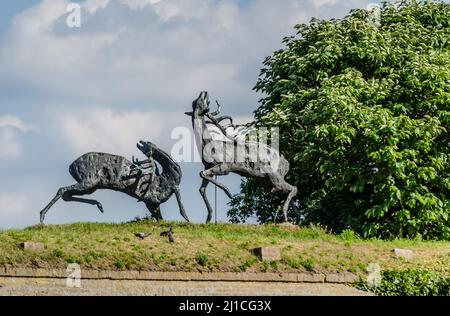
(10, 8)
(127, 74)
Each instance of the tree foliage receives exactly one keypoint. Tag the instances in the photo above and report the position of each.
(363, 112)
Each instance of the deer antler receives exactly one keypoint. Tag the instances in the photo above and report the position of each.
(135, 161)
(219, 109)
(216, 121)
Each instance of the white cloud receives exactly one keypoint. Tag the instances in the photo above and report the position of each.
(93, 6)
(330, 3)
(139, 4)
(319, 3)
(10, 129)
(12, 206)
(106, 130)
(19, 208)
(14, 122)
(10, 147)
(150, 48)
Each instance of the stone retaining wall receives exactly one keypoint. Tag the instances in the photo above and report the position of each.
(343, 278)
(42, 282)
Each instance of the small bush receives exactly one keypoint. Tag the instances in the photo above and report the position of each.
(58, 253)
(202, 259)
(410, 283)
(247, 264)
(274, 264)
(308, 264)
(349, 235)
(119, 264)
(265, 266)
(74, 259)
(351, 269)
(88, 259)
(97, 255)
(295, 264)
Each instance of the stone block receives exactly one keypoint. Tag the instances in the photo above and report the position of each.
(289, 226)
(124, 275)
(289, 277)
(404, 253)
(268, 253)
(341, 278)
(32, 246)
(311, 278)
(90, 274)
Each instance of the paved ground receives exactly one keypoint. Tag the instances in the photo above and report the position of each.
(58, 287)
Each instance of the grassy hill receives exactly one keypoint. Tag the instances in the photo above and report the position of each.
(212, 248)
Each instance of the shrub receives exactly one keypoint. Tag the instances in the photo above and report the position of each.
(202, 259)
(247, 264)
(349, 235)
(58, 253)
(308, 264)
(410, 283)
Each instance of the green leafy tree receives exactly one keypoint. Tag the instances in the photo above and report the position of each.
(363, 111)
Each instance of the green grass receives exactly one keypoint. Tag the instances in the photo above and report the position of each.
(212, 248)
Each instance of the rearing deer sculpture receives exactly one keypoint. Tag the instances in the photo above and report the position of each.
(95, 171)
(250, 159)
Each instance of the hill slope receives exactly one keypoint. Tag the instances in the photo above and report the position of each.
(211, 248)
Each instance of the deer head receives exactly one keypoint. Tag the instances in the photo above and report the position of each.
(201, 106)
(147, 148)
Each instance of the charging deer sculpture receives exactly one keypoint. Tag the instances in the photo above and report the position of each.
(220, 157)
(138, 179)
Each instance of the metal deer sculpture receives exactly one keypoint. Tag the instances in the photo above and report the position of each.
(220, 157)
(138, 179)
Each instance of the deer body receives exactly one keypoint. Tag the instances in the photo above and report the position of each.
(250, 159)
(97, 171)
(104, 171)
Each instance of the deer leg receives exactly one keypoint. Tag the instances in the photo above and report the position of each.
(155, 210)
(216, 171)
(158, 213)
(81, 189)
(155, 215)
(180, 204)
(52, 202)
(69, 198)
(66, 194)
(205, 198)
(281, 185)
(287, 203)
